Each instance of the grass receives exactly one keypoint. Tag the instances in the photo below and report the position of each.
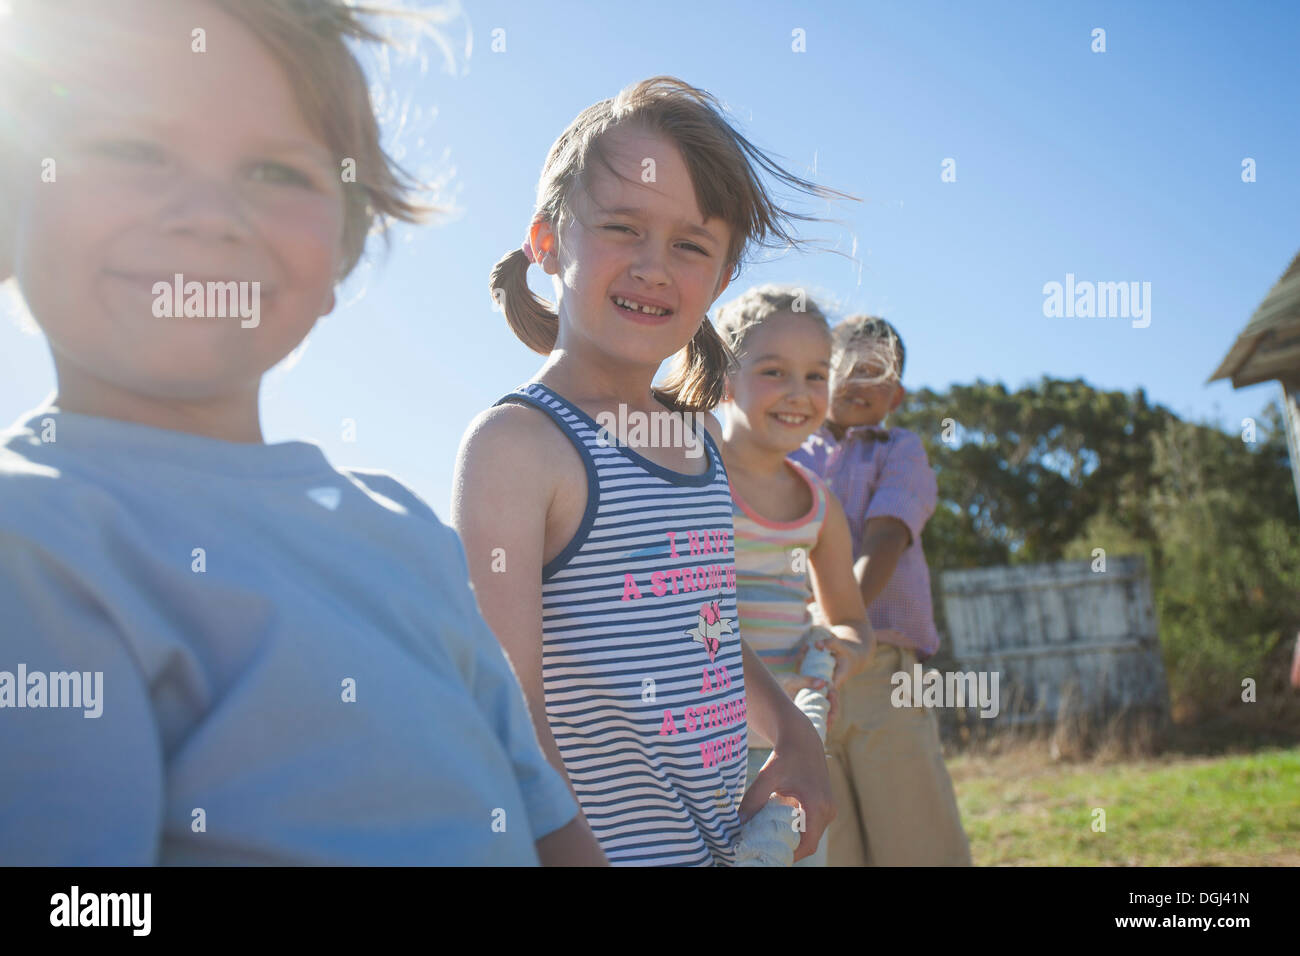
(1021, 808)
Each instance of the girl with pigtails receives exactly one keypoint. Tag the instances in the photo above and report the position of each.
(604, 562)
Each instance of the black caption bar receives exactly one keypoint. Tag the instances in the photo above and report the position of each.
(332, 906)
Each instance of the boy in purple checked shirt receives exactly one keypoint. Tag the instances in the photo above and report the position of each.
(895, 801)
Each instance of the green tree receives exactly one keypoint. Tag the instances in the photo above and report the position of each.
(1058, 468)
(1021, 473)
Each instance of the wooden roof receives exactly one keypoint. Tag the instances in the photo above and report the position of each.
(1269, 346)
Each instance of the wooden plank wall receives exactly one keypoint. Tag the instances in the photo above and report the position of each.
(1053, 631)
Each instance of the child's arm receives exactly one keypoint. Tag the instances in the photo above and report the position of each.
(839, 598)
(500, 500)
(566, 839)
(83, 786)
(883, 543)
(902, 503)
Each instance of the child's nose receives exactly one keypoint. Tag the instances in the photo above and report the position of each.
(649, 264)
(800, 388)
(206, 208)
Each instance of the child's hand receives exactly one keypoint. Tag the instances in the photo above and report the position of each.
(793, 683)
(851, 657)
(796, 773)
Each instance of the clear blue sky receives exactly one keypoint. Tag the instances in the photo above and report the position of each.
(1115, 166)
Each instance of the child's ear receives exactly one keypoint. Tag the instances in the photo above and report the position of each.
(542, 237)
(899, 392)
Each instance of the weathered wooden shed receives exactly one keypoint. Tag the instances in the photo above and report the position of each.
(1268, 348)
(1079, 634)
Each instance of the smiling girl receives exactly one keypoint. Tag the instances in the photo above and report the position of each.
(605, 564)
(791, 535)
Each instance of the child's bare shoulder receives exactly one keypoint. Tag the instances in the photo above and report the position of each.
(512, 427)
(521, 441)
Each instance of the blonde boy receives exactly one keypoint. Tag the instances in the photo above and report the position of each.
(895, 801)
(291, 666)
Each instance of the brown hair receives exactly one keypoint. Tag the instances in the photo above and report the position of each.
(739, 317)
(308, 39)
(725, 171)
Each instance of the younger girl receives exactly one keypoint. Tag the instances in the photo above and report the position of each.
(789, 527)
(601, 554)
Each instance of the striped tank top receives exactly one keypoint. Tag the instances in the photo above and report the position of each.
(772, 578)
(641, 657)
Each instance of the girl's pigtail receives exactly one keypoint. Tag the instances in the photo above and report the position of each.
(698, 377)
(532, 319)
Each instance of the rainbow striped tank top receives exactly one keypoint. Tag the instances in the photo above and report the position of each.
(772, 579)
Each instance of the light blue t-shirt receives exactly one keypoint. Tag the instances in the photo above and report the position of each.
(294, 668)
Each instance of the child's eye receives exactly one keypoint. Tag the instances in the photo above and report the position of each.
(691, 245)
(618, 226)
(129, 150)
(817, 376)
(771, 371)
(269, 172)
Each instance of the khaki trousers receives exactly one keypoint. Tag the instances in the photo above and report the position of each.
(894, 799)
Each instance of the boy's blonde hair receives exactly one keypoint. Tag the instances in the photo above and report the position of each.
(725, 171)
(866, 338)
(739, 317)
(306, 37)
